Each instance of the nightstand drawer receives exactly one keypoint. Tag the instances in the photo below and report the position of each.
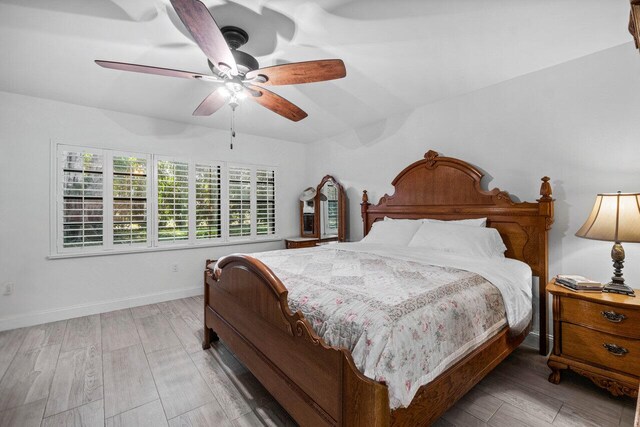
(610, 351)
(619, 321)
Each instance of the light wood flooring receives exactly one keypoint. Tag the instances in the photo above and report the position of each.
(145, 367)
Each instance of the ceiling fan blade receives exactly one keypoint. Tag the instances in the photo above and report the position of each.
(198, 20)
(299, 72)
(212, 103)
(147, 69)
(275, 103)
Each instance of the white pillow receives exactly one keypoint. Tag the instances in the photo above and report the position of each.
(474, 222)
(458, 239)
(397, 233)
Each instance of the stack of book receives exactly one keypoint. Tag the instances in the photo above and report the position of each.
(578, 283)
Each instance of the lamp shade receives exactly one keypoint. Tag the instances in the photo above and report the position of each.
(614, 217)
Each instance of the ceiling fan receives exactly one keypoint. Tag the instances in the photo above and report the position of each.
(235, 71)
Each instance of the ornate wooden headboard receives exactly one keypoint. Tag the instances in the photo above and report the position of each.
(447, 188)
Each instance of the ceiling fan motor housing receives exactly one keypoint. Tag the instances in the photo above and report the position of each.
(237, 37)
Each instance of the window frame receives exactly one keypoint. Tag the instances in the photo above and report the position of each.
(152, 243)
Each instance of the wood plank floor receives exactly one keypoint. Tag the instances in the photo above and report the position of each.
(145, 367)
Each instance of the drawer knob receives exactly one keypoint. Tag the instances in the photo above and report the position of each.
(616, 350)
(612, 316)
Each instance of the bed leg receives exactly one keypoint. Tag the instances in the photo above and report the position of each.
(209, 336)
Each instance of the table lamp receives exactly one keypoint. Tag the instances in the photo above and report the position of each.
(614, 218)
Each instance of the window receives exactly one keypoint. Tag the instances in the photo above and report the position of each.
(82, 199)
(109, 201)
(208, 198)
(130, 225)
(239, 202)
(173, 200)
(265, 202)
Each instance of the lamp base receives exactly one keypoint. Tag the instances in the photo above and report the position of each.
(619, 288)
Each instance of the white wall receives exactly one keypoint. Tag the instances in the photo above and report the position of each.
(45, 289)
(578, 123)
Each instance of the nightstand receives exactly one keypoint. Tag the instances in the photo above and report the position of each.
(301, 242)
(596, 335)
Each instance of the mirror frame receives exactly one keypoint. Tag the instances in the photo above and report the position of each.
(342, 209)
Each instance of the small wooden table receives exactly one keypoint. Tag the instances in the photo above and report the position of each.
(596, 335)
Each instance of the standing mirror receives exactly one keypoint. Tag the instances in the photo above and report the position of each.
(323, 213)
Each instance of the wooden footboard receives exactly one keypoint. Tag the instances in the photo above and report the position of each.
(246, 305)
(319, 385)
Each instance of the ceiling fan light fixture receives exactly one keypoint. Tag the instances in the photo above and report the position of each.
(233, 86)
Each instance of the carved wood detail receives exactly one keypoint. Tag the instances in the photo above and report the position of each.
(531, 247)
(616, 388)
(556, 371)
(430, 156)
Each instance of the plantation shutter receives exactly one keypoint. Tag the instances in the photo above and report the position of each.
(265, 202)
(109, 201)
(173, 200)
(239, 201)
(82, 210)
(332, 206)
(208, 207)
(129, 200)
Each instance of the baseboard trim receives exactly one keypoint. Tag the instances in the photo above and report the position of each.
(533, 340)
(45, 316)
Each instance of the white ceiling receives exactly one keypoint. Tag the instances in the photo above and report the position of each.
(399, 54)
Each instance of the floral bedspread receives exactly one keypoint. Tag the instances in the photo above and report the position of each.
(404, 322)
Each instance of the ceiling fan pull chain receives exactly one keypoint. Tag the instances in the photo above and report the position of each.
(233, 125)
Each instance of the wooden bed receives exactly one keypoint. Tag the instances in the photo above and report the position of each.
(319, 385)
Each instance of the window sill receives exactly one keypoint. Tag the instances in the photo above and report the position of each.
(163, 248)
